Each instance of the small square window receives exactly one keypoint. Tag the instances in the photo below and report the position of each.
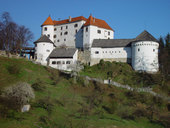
(64, 39)
(45, 29)
(67, 62)
(76, 25)
(55, 36)
(55, 29)
(58, 62)
(96, 52)
(99, 31)
(53, 62)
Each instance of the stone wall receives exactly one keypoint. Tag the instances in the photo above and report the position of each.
(84, 56)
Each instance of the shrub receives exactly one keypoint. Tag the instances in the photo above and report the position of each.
(46, 103)
(16, 96)
(14, 69)
(39, 85)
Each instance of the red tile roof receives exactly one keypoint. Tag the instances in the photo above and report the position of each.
(72, 20)
(48, 21)
(97, 22)
(90, 21)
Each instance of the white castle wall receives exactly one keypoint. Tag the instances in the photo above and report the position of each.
(145, 56)
(42, 51)
(121, 54)
(92, 34)
(63, 62)
(49, 32)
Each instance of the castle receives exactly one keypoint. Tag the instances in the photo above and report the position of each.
(60, 40)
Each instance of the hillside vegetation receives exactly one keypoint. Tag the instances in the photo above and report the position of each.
(62, 102)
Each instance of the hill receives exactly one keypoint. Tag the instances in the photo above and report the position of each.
(62, 101)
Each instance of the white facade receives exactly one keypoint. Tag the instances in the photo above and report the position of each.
(64, 63)
(73, 33)
(145, 56)
(42, 51)
(119, 54)
(48, 30)
(93, 32)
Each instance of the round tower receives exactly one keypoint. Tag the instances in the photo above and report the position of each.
(47, 28)
(145, 56)
(43, 47)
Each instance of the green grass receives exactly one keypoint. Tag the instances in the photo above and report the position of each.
(73, 104)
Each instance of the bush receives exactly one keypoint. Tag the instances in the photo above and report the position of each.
(16, 96)
(39, 86)
(14, 69)
(46, 103)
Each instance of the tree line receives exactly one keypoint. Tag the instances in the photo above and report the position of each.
(164, 56)
(13, 36)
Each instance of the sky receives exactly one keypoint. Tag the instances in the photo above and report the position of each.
(128, 18)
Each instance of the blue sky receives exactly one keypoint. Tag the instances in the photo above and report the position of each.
(127, 17)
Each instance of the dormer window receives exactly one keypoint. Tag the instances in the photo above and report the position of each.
(99, 31)
(45, 29)
(76, 25)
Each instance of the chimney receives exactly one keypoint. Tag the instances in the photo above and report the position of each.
(69, 18)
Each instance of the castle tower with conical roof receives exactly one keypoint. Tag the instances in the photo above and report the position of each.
(47, 28)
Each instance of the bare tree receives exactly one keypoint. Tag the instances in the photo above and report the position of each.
(13, 36)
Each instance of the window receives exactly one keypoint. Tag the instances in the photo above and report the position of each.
(58, 40)
(66, 27)
(55, 36)
(65, 33)
(61, 33)
(76, 31)
(153, 50)
(61, 28)
(67, 62)
(47, 50)
(45, 29)
(86, 29)
(43, 44)
(76, 25)
(99, 31)
(53, 62)
(63, 62)
(138, 49)
(64, 39)
(55, 29)
(58, 62)
(109, 33)
(48, 35)
(96, 52)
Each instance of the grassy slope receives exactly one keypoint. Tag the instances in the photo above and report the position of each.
(67, 103)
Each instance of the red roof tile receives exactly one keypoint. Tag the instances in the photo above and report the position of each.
(48, 21)
(67, 20)
(90, 21)
(97, 22)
